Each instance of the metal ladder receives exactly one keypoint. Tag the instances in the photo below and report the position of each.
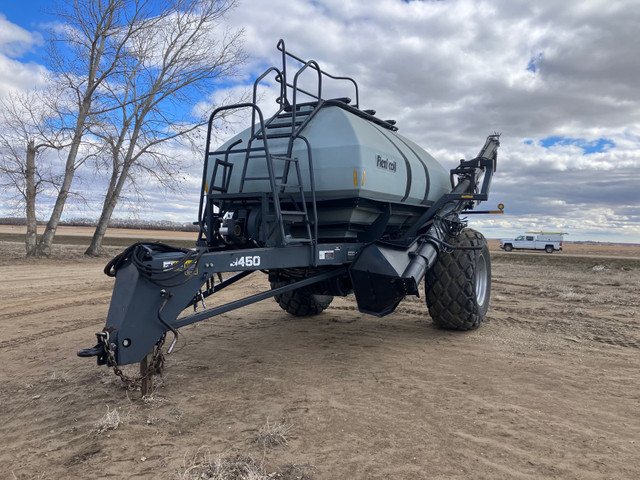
(287, 189)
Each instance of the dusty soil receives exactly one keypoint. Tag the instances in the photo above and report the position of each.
(546, 388)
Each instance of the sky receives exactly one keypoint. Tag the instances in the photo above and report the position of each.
(559, 80)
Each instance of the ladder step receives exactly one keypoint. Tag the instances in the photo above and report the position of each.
(256, 178)
(298, 240)
(273, 136)
(293, 213)
(285, 125)
(299, 113)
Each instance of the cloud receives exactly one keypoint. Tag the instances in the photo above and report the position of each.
(14, 43)
(558, 79)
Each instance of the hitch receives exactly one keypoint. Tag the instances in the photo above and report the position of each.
(100, 349)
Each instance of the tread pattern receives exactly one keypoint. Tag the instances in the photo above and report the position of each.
(450, 285)
(301, 302)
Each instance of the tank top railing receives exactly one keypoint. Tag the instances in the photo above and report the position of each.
(315, 66)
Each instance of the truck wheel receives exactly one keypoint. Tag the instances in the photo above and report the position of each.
(301, 302)
(548, 249)
(508, 247)
(458, 286)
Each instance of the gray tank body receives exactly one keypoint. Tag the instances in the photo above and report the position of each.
(353, 158)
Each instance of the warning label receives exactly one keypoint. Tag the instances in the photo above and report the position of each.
(326, 254)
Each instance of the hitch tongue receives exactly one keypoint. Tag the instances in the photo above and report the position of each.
(91, 352)
(100, 349)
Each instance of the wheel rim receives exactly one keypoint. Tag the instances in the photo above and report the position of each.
(482, 279)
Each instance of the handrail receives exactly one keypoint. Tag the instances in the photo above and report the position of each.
(236, 106)
(295, 85)
(255, 94)
(281, 47)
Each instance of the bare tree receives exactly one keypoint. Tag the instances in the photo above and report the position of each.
(167, 64)
(28, 127)
(84, 54)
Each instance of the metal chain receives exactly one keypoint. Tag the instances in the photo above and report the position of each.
(156, 367)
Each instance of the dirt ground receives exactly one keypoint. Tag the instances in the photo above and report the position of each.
(547, 387)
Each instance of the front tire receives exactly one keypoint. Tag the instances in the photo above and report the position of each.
(301, 302)
(508, 247)
(458, 286)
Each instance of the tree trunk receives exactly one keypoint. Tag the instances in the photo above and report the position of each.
(110, 202)
(109, 205)
(44, 246)
(30, 200)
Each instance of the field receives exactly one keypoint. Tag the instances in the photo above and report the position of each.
(546, 388)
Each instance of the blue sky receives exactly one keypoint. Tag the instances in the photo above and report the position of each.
(558, 79)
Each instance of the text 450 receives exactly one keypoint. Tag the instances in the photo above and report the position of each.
(247, 261)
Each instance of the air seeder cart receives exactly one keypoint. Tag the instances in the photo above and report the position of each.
(326, 199)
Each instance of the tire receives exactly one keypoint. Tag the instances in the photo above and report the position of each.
(508, 247)
(548, 249)
(301, 302)
(458, 286)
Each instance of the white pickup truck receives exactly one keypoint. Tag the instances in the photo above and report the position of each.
(547, 241)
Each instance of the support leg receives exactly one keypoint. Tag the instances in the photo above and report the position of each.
(146, 371)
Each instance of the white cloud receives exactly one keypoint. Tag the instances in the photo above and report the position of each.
(15, 42)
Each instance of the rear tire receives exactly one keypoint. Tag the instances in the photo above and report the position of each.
(458, 286)
(301, 302)
(548, 249)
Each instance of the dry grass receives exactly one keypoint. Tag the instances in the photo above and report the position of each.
(239, 467)
(110, 421)
(272, 435)
(202, 466)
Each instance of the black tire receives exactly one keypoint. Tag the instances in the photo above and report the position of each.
(548, 249)
(301, 302)
(458, 286)
(508, 247)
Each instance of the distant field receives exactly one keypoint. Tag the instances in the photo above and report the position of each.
(122, 237)
(115, 237)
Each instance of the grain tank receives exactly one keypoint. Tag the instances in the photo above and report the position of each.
(360, 164)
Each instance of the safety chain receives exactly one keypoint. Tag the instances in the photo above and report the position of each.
(156, 367)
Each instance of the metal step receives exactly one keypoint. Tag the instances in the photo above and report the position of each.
(284, 157)
(273, 135)
(285, 125)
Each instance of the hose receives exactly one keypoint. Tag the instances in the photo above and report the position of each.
(140, 252)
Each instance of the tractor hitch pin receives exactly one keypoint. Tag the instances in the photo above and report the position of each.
(167, 296)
